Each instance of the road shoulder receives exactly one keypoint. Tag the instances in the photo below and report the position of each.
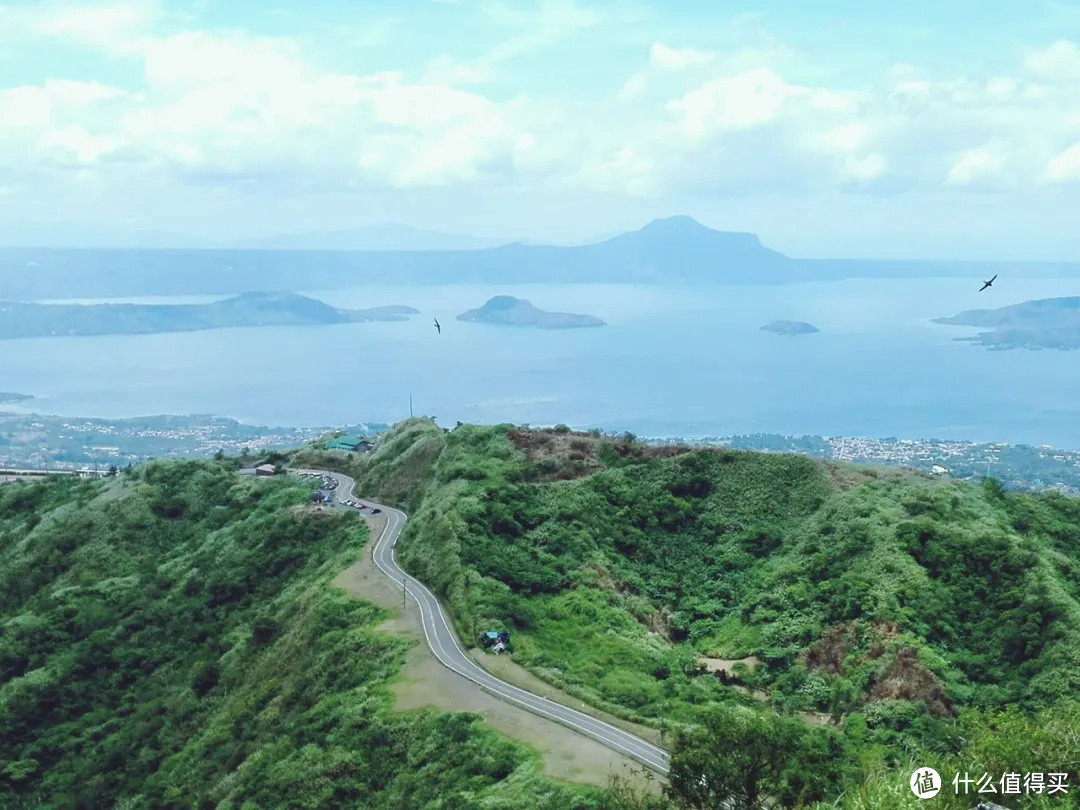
(425, 683)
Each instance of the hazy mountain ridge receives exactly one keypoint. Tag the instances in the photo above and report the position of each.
(677, 250)
(23, 319)
(1046, 323)
(505, 310)
(371, 237)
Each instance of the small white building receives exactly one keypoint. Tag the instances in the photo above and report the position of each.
(266, 469)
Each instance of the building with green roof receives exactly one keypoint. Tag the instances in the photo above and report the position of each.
(353, 444)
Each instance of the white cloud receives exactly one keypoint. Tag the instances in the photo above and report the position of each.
(1060, 60)
(913, 87)
(117, 28)
(54, 99)
(212, 106)
(1065, 167)
(1002, 88)
(76, 144)
(664, 57)
(845, 138)
(974, 166)
(863, 169)
(747, 100)
(634, 87)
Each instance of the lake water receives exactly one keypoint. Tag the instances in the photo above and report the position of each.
(672, 361)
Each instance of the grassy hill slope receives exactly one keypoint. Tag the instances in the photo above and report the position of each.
(168, 640)
(908, 610)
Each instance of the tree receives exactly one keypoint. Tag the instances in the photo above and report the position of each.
(736, 760)
(634, 792)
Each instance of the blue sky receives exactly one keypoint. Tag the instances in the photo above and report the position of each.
(940, 130)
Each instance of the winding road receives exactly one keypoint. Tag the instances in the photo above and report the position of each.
(448, 650)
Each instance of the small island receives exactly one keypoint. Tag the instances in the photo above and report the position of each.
(26, 320)
(7, 396)
(505, 310)
(1047, 323)
(790, 328)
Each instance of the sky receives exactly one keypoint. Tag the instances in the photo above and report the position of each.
(947, 129)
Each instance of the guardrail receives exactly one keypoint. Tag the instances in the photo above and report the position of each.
(81, 473)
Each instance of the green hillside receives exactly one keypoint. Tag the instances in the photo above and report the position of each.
(891, 614)
(168, 637)
(168, 640)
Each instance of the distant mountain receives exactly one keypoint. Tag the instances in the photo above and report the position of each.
(1047, 323)
(505, 310)
(791, 328)
(676, 250)
(389, 236)
(76, 236)
(373, 237)
(7, 396)
(24, 320)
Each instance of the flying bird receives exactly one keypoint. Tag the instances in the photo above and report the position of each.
(989, 283)
(437, 327)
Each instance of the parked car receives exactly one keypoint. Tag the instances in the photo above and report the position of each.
(375, 511)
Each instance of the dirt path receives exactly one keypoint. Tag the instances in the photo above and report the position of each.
(424, 683)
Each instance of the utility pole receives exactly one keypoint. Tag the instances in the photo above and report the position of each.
(410, 406)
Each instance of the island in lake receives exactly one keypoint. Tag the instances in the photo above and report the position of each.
(505, 310)
(1048, 323)
(791, 328)
(24, 320)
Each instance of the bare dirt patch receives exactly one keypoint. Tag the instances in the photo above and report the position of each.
(311, 510)
(830, 653)
(903, 678)
(425, 683)
(906, 679)
(845, 475)
(556, 455)
(726, 665)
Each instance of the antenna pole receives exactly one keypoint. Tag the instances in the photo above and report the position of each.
(410, 406)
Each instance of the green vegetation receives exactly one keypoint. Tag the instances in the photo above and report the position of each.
(804, 633)
(168, 640)
(1020, 467)
(398, 471)
(911, 612)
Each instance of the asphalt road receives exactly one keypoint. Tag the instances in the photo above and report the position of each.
(446, 647)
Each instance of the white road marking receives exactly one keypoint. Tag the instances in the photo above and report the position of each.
(611, 736)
